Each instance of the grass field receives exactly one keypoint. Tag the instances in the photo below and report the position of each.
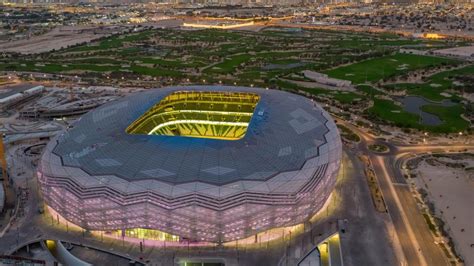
(112, 42)
(451, 116)
(368, 90)
(208, 56)
(435, 85)
(342, 97)
(155, 72)
(389, 111)
(346, 97)
(229, 64)
(373, 70)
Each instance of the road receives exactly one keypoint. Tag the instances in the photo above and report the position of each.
(364, 241)
(415, 237)
(416, 241)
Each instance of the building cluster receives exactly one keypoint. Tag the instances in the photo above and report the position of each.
(326, 80)
(18, 94)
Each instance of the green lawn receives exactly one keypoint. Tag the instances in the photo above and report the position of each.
(155, 72)
(229, 64)
(451, 117)
(373, 70)
(361, 43)
(346, 97)
(436, 84)
(111, 42)
(285, 61)
(369, 90)
(342, 97)
(389, 111)
(95, 60)
(169, 53)
(161, 62)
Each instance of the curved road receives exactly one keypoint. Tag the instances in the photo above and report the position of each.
(416, 240)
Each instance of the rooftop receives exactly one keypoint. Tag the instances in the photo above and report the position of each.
(9, 90)
(285, 131)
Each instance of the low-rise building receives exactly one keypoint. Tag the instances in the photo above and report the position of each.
(16, 94)
(325, 79)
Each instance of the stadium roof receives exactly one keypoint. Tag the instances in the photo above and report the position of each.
(285, 131)
(10, 90)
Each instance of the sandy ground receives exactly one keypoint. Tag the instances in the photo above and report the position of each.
(452, 191)
(59, 37)
(466, 51)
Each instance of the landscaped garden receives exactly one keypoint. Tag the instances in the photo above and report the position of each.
(272, 58)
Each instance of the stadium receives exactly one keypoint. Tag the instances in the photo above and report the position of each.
(205, 163)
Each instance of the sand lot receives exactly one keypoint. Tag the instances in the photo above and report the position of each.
(59, 37)
(452, 191)
(465, 51)
(62, 36)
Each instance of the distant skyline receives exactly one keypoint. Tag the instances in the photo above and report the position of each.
(204, 2)
(230, 2)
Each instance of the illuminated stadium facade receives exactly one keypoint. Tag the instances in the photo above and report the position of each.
(208, 163)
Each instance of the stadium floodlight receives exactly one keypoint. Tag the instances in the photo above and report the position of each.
(204, 114)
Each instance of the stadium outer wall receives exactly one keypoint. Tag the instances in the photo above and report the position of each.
(94, 203)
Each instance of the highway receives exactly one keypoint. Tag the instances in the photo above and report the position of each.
(416, 240)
